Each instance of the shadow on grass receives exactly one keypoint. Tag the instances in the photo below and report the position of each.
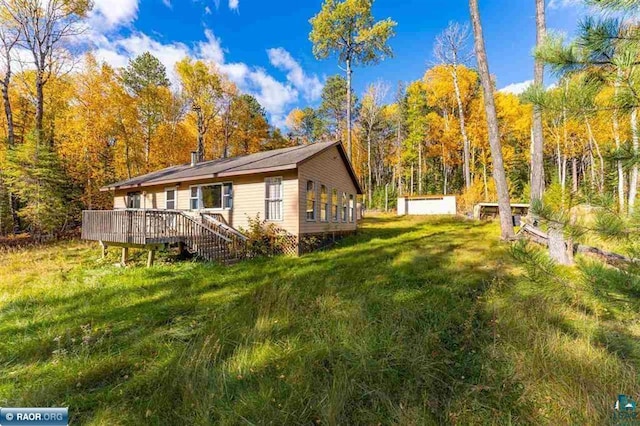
(389, 327)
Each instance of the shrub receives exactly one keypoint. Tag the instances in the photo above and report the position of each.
(265, 239)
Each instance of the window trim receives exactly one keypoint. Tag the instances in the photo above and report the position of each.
(175, 198)
(335, 208)
(199, 198)
(129, 196)
(345, 208)
(352, 208)
(315, 201)
(281, 199)
(325, 207)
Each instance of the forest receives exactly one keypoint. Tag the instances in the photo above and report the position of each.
(72, 124)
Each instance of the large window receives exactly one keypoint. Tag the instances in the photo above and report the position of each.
(311, 201)
(324, 204)
(352, 209)
(334, 206)
(216, 196)
(273, 199)
(170, 198)
(345, 207)
(134, 200)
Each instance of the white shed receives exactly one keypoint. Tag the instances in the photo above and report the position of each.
(427, 205)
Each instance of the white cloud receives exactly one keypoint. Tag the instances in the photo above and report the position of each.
(274, 95)
(110, 14)
(167, 3)
(517, 88)
(561, 4)
(310, 86)
(234, 4)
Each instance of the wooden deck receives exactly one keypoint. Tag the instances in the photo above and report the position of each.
(210, 239)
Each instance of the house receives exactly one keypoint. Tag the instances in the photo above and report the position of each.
(305, 191)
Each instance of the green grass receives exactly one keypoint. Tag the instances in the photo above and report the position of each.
(413, 321)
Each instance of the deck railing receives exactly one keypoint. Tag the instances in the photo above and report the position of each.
(145, 227)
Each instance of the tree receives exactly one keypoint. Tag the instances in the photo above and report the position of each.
(504, 202)
(252, 125)
(450, 50)
(333, 109)
(34, 172)
(145, 77)
(306, 124)
(347, 29)
(371, 117)
(202, 86)
(45, 26)
(537, 149)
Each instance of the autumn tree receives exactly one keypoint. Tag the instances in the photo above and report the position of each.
(46, 29)
(504, 202)
(450, 50)
(348, 30)
(202, 86)
(371, 118)
(146, 78)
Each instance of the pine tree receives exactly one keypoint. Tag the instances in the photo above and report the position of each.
(35, 174)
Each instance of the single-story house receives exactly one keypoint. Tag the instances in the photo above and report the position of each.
(308, 190)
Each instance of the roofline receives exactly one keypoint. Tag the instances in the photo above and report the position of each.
(345, 159)
(231, 173)
(203, 177)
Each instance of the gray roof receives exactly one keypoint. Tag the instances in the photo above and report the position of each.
(262, 162)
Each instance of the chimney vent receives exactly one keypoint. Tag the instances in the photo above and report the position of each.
(194, 158)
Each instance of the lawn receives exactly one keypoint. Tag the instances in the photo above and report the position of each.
(413, 321)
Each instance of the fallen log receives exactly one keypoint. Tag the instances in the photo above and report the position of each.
(610, 258)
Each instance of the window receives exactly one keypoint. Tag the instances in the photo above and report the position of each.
(170, 198)
(345, 207)
(273, 198)
(194, 200)
(134, 200)
(352, 209)
(311, 201)
(324, 204)
(216, 196)
(334, 205)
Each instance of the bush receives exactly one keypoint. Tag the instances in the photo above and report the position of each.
(265, 239)
(476, 194)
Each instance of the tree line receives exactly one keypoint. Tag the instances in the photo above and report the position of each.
(72, 124)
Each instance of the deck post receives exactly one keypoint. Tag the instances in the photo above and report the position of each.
(150, 258)
(103, 247)
(125, 255)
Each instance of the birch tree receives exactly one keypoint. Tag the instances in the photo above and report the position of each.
(450, 50)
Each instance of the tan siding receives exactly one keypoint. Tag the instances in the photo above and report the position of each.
(326, 169)
(248, 199)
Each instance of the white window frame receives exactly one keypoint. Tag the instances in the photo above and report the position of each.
(268, 181)
(199, 195)
(175, 198)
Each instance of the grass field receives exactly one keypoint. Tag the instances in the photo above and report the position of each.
(413, 321)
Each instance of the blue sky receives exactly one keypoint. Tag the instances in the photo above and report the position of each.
(263, 45)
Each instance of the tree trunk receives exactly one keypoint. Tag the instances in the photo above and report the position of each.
(633, 181)
(39, 107)
(463, 129)
(419, 169)
(594, 143)
(370, 171)
(504, 202)
(574, 174)
(349, 72)
(200, 135)
(616, 136)
(537, 155)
